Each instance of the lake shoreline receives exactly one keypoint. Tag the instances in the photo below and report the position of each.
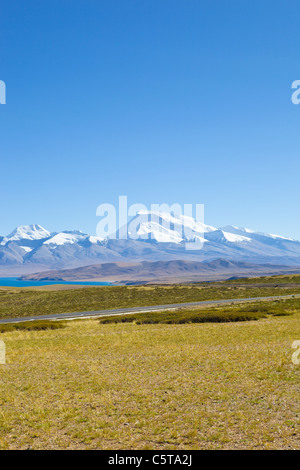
(17, 282)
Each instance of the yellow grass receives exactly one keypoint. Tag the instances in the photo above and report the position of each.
(128, 386)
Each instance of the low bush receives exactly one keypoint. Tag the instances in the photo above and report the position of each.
(180, 317)
(32, 326)
(234, 313)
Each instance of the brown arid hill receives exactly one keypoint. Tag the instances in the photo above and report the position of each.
(161, 271)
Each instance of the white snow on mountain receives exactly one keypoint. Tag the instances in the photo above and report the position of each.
(158, 232)
(70, 238)
(66, 238)
(95, 240)
(234, 238)
(152, 236)
(26, 232)
(164, 227)
(27, 249)
(239, 230)
(279, 237)
(179, 220)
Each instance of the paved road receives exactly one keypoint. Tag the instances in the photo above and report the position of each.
(153, 308)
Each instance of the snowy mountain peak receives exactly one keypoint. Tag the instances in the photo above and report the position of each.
(26, 232)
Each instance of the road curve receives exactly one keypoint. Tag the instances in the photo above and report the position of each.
(153, 308)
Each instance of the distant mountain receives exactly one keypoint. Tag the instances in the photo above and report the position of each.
(161, 271)
(154, 237)
(26, 232)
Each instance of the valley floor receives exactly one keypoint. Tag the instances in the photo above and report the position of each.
(129, 386)
(25, 302)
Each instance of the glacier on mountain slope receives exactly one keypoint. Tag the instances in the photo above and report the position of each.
(152, 236)
(166, 228)
(157, 232)
(240, 230)
(26, 232)
(65, 238)
(27, 249)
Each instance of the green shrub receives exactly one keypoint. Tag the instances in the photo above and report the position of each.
(234, 313)
(180, 317)
(32, 326)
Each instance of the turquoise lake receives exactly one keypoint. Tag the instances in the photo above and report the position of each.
(16, 282)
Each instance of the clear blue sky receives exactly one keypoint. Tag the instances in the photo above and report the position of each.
(164, 101)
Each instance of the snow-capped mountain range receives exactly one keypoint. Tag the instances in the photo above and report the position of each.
(154, 236)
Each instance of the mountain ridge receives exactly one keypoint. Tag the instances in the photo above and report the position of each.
(154, 237)
(161, 271)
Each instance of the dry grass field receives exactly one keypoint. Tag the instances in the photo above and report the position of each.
(152, 386)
